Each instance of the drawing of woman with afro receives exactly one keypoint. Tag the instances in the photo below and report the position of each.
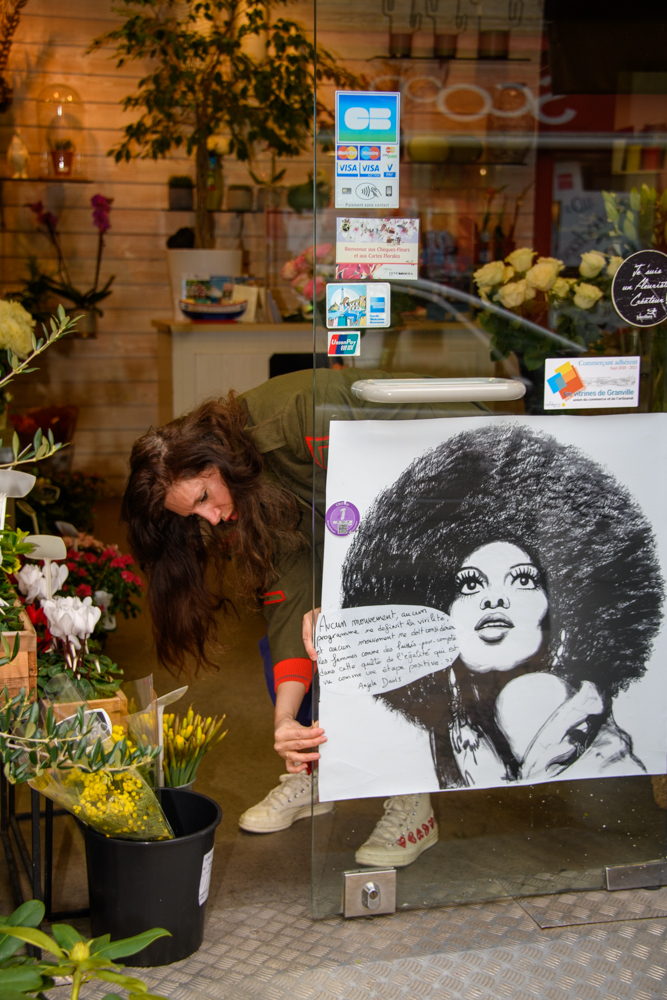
(549, 568)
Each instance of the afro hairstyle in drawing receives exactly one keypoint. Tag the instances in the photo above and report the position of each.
(507, 482)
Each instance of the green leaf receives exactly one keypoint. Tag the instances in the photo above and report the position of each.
(16, 444)
(115, 996)
(130, 946)
(29, 914)
(20, 978)
(127, 982)
(98, 943)
(65, 935)
(11, 995)
(38, 938)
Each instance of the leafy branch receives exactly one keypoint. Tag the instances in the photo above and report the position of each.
(29, 748)
(40, 448)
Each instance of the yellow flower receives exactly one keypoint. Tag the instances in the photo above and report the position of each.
(613, 265)
(513, 294)
(592, 263)
(16, 326)
(543, 274)
(561, 287)
(521, 259)
(490, 274)
(508, 274)
(585, 295)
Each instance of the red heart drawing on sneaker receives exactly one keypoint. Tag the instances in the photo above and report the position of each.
(401, 841)
(420, 835)
(431, 822)
(411, 838)
(425, 828)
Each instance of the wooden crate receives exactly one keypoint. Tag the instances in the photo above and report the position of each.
(21, 672)
(116, 708)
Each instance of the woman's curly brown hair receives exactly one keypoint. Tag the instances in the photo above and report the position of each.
(180, 561)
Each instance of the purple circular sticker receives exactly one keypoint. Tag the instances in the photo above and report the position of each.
(342, 518)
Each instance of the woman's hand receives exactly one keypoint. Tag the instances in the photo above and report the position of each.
(308, 630)
(294, 742)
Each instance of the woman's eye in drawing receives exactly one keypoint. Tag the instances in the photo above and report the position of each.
(525, 577)
(468, 581)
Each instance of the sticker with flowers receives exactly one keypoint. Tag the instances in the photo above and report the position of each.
(577, 308)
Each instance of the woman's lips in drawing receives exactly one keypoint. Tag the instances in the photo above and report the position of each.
(493, 622)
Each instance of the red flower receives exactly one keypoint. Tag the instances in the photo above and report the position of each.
(90, 557)
(138, 582)
(120, 562)
(83, 590)
(71, 566)
(73, 556)
(109, 553)
(81, 571)
(127, 576)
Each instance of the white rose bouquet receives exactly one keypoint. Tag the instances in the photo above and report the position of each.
(578, 309)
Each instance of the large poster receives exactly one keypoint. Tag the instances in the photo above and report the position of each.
(492, 610)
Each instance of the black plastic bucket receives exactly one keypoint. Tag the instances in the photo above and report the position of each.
(135, 885)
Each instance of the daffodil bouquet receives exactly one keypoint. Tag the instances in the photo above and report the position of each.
(185, 743)
(578, 309)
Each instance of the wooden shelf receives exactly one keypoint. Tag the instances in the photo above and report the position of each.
(49, 180)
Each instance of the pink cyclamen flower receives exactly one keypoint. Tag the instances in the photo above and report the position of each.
(101, 207)
(127, 576)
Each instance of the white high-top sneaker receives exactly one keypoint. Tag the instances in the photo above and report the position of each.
(407, 828)
(284, 805)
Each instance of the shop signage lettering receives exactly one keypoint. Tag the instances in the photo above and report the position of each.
(639, 289)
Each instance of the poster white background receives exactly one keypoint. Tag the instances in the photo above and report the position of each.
(372, 751)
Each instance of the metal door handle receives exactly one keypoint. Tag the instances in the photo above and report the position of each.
(438, 390)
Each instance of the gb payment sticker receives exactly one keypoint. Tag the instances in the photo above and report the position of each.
(367, 149)
(358, 304)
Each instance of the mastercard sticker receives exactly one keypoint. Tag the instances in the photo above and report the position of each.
(347, 152)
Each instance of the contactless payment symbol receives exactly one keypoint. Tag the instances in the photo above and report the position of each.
(367, 116)
(565, 381)
(342, 518)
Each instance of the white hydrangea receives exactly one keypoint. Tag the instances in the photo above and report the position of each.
(16, 327)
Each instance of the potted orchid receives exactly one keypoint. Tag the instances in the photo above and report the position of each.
(40, 285)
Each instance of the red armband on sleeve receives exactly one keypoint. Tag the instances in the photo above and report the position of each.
(297, 668)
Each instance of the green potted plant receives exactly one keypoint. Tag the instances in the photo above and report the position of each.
(180, 193)
(244, 72)
(73, 957)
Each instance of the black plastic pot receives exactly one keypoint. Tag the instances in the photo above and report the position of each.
(135, 885)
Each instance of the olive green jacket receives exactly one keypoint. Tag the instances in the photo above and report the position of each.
(288, 422)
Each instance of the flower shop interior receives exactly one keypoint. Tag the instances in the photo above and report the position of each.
(170, 230)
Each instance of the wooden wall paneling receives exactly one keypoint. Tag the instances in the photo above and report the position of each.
(113, 379)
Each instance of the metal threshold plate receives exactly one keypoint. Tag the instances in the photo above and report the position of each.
(649, 875)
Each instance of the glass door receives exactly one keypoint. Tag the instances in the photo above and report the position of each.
(488, 559)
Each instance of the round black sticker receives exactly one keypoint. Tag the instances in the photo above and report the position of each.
(639, 288)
